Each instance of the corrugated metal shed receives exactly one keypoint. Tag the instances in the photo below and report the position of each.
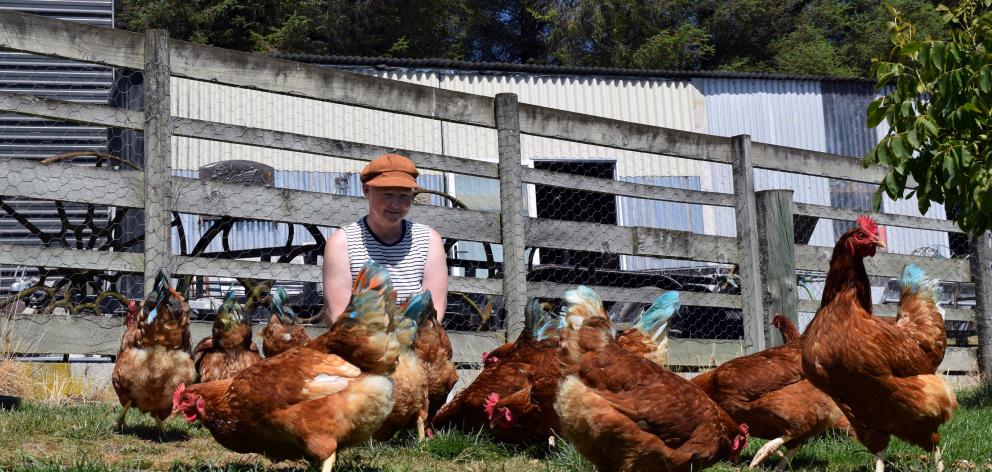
(23, 137)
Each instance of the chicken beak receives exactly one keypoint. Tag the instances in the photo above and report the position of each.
(880, 244)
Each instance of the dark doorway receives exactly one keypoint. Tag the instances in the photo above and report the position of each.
(578, 205)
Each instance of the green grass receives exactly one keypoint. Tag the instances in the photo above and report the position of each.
(81, 438)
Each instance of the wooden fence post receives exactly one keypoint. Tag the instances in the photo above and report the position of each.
(158, 157)
(511, 212)
(747, 244)
(776, 242)
(981, 275)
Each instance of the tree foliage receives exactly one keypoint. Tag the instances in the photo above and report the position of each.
(939, 114)
(816, 37)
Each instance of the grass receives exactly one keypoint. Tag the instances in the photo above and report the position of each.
(43, 436)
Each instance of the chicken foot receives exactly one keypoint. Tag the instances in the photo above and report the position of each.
(162, 437)
(937, 459)
(120, 418)
(329, 462)
(880, 461)
(766, 450)
(786, 459)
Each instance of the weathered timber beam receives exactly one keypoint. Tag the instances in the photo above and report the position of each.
(325, 146)
(71, 183)
(298, 206)
(589, 129)
(71, 40)
(269, 74)
(72, 112)
(821, 211)
(887, 265)
(38, 256)
(628, 189)
(637, 241)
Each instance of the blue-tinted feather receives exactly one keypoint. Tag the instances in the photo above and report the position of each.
(654, 320)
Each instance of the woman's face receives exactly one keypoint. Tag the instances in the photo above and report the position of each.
(388, 205)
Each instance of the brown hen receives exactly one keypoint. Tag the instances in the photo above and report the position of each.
(229, 349)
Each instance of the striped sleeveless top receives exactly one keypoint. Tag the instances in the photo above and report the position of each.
(404, 260)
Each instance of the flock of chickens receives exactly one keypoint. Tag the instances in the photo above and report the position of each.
(384, 368)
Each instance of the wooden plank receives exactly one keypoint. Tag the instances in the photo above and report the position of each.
(748, 245)
(778, 260)
(886, 265)
(475, 285)
(71, 112)
(638, 295)
(158, 157)
(596, 130)
(214, 198)
(821, 211)
(703, 353)
(99, 335)
(628, 189)
(638, 241)
(72, 183)
(71, 40)
(959, 359)
(38, 256)
(950, 314)
(268, 74)
(819, 164)
(325, 146)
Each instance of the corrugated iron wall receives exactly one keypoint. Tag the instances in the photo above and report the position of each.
(23, 137)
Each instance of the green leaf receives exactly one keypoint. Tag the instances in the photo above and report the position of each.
(882, 155)
(911, 138)
(876, 201)
(891, 187)
(898, 147)
(985, 78)
(923, 204)
(937, 54)
(928, 123)
(876, 113)
(906, 109)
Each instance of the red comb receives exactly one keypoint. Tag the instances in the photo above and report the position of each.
(490, 404)
(868, 224)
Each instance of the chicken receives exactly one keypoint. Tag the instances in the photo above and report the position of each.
(433, 348)
(512, 397)
(767, 391)
(154, 356)
(881, 375)
(623, 412)
(410, 383)
(229, 349)
(786, 327)
(309, 402)
(282, 333)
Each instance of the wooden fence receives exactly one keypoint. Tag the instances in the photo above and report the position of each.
(763, 249)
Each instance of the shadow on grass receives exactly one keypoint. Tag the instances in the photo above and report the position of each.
(152, 433)
(979, 397)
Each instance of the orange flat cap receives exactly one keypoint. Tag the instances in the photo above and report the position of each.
(390, 170)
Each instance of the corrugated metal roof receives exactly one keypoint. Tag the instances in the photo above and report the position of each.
(530, 69)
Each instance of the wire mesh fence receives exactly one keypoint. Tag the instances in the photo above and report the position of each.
(257, 181)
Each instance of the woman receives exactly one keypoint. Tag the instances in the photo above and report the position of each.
(412, 252)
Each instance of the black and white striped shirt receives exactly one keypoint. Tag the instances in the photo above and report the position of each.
(404, 259)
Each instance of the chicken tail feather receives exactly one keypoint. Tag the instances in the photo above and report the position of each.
(654, 320)
(370, 294)
(914, 280)
(583, 303)
(417, 309)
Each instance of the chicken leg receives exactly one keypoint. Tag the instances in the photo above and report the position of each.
(329, 463)
(939, 461)
(766, 450)
(421, 428)
(120, 419)
(880, 461)
(162, 437)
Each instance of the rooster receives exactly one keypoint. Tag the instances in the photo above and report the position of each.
(282, 333)
(309, 402)
(881, 375)
(154, 356)
(624, 412)
(229, 349)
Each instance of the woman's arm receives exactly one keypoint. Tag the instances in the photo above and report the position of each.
(436, 273)
(337, 275)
